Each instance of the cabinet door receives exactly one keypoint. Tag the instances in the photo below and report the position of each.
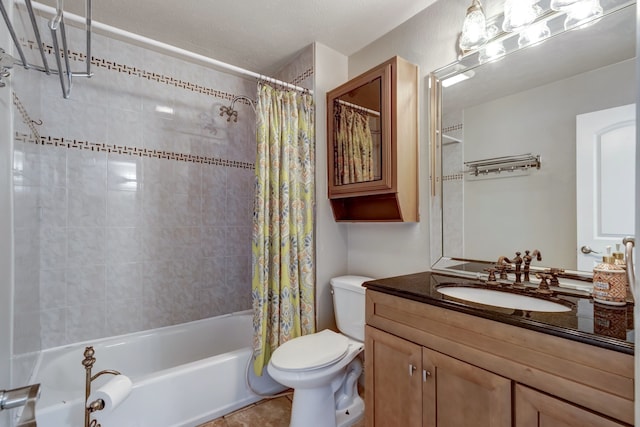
(359, 135)
(393, 378)
(535, 409)
(456, 394)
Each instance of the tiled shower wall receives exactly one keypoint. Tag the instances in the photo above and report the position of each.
(133, 199)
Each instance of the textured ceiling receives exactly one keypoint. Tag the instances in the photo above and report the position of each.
(259, 35)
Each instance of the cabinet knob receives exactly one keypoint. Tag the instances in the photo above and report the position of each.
(412, 369)
(425, 374)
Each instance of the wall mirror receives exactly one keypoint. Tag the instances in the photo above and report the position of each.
(536, 150)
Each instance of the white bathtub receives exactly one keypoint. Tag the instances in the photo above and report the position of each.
(182, 375)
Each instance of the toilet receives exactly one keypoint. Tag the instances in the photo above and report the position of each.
(322, 368)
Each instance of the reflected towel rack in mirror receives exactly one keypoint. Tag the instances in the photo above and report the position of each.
(56, 25)
(503, 164)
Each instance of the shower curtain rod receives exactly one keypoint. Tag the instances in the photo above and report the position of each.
(104, 29)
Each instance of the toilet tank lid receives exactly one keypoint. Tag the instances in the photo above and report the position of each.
(353, 283)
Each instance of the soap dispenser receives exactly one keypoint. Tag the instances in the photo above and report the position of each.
(621, 262)
(609, 281)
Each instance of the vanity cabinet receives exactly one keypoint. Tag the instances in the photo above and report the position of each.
(413, 386)
(372, 145)
(430, 366)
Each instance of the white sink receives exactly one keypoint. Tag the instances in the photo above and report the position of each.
(502, 299)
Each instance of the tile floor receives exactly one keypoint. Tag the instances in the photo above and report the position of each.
(266, 413)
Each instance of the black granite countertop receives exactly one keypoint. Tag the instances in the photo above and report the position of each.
(588, 322)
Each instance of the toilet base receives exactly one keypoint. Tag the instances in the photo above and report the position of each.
(352, 414)
(319, 405)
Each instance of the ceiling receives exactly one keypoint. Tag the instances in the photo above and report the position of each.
(258, 35)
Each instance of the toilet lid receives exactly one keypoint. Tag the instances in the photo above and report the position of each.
(310, 351)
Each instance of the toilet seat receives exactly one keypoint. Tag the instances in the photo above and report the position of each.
(311, 351)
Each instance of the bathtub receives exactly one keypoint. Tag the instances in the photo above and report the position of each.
(182, 375)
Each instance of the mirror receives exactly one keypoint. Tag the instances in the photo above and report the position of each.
(357, 134)
(508, 138)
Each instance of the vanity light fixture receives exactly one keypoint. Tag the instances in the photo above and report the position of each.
(519, 13)
(528, 21)
(474, 28)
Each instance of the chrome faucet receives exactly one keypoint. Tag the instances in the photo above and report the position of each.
(23, 396)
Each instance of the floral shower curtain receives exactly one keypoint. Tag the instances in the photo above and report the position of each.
(354, 147)
(283, 240)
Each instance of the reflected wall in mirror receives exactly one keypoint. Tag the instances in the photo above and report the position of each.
(531, 101)
(357, 134)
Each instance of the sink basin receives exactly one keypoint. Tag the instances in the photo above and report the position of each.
(502, 299)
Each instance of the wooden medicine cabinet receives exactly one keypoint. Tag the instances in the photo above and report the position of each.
(372, 136)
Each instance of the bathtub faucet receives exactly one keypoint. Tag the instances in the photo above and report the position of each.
(23, 396)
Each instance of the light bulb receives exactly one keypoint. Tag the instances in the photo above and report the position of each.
(562, 5)
(518, 14)
(491, 52)
(474, 28)
(583, 13)
(534, 34)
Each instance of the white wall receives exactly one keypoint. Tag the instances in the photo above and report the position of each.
(428, 40)
(331, 237)
(6, 239)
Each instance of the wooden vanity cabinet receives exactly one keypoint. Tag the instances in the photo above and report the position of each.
(386, 190)
(413, 386)
(429, 366)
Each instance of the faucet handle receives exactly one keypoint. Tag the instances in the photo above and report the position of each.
(543, 287)
(503, 269)
(553, 273)
(491, 280)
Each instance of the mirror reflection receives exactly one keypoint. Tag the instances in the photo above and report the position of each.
(538, 148)
(357, 135)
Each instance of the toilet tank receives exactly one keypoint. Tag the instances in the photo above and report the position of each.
(348, 305)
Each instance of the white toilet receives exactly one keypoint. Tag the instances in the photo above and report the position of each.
(322, 368)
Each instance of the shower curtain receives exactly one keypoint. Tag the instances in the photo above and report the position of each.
(354, 148)
(283, 240)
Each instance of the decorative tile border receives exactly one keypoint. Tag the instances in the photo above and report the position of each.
(132, 151)
(453, 177)
(302, 77)
(452, 128)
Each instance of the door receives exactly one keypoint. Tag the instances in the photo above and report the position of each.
(535, 409)
(393, 375)
(456, 393)
(605, 181)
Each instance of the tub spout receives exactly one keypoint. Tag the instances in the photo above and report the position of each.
(23, 396)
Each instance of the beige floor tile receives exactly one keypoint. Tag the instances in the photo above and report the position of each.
(267, 413)
(270, 413)
(220, 422)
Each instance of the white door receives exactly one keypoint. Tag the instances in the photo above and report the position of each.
(605, 181)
